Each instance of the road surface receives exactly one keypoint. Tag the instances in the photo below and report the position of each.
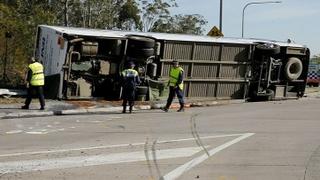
(250, 141)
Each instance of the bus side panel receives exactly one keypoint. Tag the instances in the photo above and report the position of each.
(212, 70)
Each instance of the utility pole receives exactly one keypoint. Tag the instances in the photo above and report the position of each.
(220, 26)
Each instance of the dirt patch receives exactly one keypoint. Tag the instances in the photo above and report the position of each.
(11, 100)
(119, 103)
(83, 104)
(312, 89)
(88, 103)
(77, 103)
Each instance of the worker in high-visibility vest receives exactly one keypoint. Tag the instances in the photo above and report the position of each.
(130, 80)
(35, 83)
(175, 86)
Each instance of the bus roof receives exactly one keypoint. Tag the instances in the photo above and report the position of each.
(161, 36)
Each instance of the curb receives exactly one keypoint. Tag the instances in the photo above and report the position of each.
(117, 109)
(27, 115)
(88, 111)
(70, 112)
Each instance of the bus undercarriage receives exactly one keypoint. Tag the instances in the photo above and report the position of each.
(213, 67)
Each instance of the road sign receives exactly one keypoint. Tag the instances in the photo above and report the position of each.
(215, 32)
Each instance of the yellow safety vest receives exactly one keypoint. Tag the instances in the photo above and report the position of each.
(37, 78)
(174, 76)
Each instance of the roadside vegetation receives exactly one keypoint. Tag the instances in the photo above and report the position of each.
(19, 19)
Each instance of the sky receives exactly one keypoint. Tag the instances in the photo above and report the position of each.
(298, 20)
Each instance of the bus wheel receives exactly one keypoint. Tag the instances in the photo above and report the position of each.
(136, 53)
(268, 49)
(142, 90)
(270, 94)
(293, 68)
(140, 42)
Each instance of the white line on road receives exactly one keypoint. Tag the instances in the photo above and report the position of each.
(113, 146)
(14, 132)
(194, 162)
(82, 161)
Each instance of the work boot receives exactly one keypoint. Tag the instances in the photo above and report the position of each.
(42, 108)
(181, 109)
(24, 107)
(124, 109)
(130, 109)
(165, 109)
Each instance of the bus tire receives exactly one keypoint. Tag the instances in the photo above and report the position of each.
(136, 53)
(271, 94)
(140, 42)
(293, 68)
(142, 90)
(268, 49)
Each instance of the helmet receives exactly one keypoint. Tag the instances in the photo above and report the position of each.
(175, 62)
(131, 64)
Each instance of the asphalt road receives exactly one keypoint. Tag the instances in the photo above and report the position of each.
(250, 141)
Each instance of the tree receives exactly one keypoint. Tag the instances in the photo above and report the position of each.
(95, 13)
(66, 12)
(187, 24)
(103, 13)
(21, 18)
(154, 11)
(129, 18)
(8, 2)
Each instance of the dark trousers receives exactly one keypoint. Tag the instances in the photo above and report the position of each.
(128, 97)
(124, 104)
(172, 92)
(38, 91)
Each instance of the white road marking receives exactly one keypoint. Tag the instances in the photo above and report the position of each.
(114, 146)
(14, 132)
(196, 161)
(115, 117)
(82, 161)
(36, 132)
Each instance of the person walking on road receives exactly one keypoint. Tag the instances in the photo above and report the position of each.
(130, 80)
(175, 86)
(35, 83)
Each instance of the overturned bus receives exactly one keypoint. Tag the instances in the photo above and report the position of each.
(86, 63)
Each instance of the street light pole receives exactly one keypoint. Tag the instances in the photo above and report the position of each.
(251, 3)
